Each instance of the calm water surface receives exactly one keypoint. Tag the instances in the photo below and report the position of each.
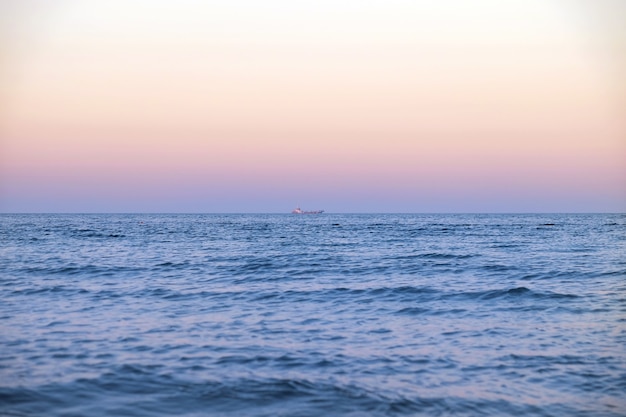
(287, 315)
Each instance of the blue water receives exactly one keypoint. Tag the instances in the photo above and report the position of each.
(337, 315)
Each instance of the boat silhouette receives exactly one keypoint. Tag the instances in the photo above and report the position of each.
(298, 210)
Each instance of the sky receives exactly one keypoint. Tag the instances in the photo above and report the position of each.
(348, 106)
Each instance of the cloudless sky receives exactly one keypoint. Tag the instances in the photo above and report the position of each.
(349, 106)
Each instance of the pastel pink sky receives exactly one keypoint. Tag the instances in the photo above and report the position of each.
(350, 106)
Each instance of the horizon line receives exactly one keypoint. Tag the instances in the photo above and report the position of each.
(292, 214)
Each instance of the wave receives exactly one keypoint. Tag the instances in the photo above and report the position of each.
(49, 289)
(141, 392)
(510, 293)
(434, 255)
(332, 294)
(87, 270)
(93, 233)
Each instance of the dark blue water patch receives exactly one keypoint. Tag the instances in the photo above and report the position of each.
(517, 293)
(575, 275)
(352, 295)
(133, 394)
(92, 233)
(494, 268)
(72, 269)
(54, 289)
(434, 255)
(423, 311)
(172, 265)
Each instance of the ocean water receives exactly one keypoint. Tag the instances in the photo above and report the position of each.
(313, 315)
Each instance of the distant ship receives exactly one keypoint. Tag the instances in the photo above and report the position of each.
(298, 210)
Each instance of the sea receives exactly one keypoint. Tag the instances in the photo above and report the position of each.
(312, 315)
